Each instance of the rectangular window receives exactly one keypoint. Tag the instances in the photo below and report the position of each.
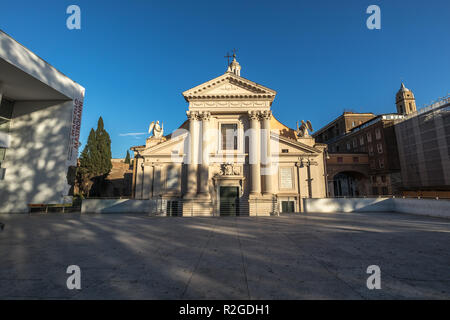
(381, 163)
(284, 150)
(229, 136)
(340, 159)
(383, 178)
(384, 190)
(348, 146)
(361, 140)
(6, 111)
(369, 137)
(378, 133)
(286, 178)
(355, 159)
(355, 143)
(380, 148)
(370, 150)
(375, 191)
(372, 164)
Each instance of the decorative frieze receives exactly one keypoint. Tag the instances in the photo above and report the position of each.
(229, 104)
(228, 169)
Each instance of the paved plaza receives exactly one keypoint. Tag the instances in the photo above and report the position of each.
(313, 256)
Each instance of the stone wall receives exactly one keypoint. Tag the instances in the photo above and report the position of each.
(348, 204)
(118, 206)
(119, 180)
(427, 207)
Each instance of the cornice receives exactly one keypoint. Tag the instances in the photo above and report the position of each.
(256, 91)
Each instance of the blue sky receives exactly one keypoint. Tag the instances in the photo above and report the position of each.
(136, 57)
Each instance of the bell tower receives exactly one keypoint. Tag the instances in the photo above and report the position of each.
(234, 66)
(405, 101)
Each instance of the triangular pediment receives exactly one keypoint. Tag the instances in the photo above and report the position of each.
(229, 85)
(167, 147)
(295, 145)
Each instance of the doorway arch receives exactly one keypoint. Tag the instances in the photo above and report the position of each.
(349, 184)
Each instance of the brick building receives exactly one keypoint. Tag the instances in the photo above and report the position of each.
(366, 133)
(341, 126)
(349, 172)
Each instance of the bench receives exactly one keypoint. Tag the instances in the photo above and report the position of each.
(43, 206)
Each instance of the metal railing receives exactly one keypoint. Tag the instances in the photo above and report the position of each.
(59, 208)
(435, 105)
(228, 207)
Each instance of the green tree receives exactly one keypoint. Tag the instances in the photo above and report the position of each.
(95, 161)
(104, 149)
(127, 158)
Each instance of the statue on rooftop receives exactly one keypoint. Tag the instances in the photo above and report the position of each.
(302, 131)
(157, 129)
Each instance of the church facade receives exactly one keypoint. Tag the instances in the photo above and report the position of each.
(230, 157)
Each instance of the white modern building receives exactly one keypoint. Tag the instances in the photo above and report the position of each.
(40, 117)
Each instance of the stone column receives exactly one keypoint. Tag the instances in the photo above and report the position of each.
(254, 153)
(266, 155)
(139, 177)
(193, 155)
(152, 188)
(204, 167)
(300, 199)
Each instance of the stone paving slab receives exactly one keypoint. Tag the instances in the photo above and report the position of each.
(313, 256)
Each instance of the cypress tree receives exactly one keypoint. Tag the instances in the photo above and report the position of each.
(127, 158)
(95, 159)
(104, 149)
(89, 156)
(86, 170)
